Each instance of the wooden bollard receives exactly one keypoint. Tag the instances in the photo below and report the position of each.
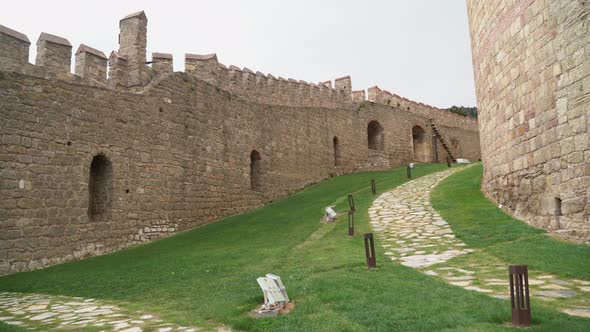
(350, 223)
(351, 203)
(370, 250)
(519, 295)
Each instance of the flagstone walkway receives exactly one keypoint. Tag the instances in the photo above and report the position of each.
(413, 233)
(48, 312)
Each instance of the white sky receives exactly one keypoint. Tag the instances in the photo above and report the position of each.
(418, 49)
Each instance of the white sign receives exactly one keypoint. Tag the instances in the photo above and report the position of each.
(330, 214)
(273, 289)
(279, 283)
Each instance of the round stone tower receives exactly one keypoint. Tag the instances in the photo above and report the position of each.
(531, 61)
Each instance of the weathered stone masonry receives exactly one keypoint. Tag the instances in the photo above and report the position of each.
(89, 165)
(531, 63)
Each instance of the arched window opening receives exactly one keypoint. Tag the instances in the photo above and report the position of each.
(336, 144)
(255, 170)
(375, 136)
(420, 144)
(100, 188)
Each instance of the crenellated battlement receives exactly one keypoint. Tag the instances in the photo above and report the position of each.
(127, 68)
(91, 64)
(441, 116)
(266, 88)
(14, 47)
(162, 63)
(53, 60)
(54, 53)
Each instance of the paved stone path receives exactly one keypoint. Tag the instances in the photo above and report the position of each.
(47, 312)
(415, 235)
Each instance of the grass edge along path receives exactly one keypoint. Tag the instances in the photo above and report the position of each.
(480, 224)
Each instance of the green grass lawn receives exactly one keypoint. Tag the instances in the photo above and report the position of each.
(9, 328)
(207, 275)
(480, 224)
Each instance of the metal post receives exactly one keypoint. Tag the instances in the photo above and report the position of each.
(351, 203)
(519, 295)
(409, 172)
(370, 250)
(350, 223)
(373, 187)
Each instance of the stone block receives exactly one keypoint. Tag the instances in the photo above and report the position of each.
(14, 45)
(573, 205)
(91, 64)
(54, 53)
(162, 63)
(343, 83)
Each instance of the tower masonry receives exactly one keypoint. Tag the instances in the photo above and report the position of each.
(531, 61)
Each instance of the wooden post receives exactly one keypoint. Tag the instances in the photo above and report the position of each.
(350, 223)
(370, 250)
(351, 203)
(519, 295)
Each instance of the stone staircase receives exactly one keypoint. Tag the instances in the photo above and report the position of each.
(442, 140)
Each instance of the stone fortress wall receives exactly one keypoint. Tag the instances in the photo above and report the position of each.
(90, 164)
(531, 63)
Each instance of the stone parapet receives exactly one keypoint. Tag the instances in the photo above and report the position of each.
(91, 64)
(14, 47)
(439, 116)
(162, 63)
(54, 53)
(266, 88)
(118, 74)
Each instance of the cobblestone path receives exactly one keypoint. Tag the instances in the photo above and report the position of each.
(415, 235)
(48, 312)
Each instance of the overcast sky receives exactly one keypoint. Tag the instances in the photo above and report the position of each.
(418, 49)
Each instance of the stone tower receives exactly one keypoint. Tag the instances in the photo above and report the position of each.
(132, 46)
(531, 62)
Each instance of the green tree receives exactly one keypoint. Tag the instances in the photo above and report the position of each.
(465, 111)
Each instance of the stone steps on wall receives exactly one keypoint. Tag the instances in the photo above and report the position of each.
(442, 141)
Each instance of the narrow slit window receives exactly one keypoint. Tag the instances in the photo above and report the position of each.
(255, 173)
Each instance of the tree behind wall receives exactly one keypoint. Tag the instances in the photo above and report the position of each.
(465, 111)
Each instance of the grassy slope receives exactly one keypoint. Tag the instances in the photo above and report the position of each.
(479, 223)
(10, 328)
(209, 273)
